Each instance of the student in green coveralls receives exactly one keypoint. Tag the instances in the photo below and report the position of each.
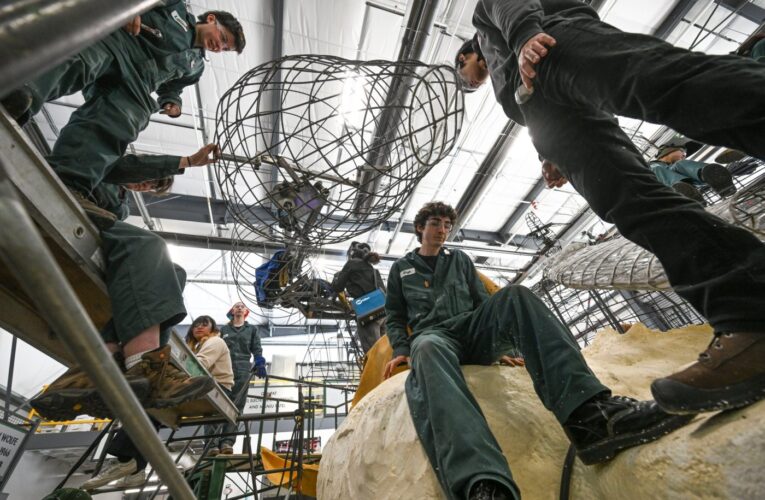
(243, 342)
(160, 51)
(146, 293)
(437, 293)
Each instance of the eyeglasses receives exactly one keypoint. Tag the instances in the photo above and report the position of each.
(223, 37)
(439, 223)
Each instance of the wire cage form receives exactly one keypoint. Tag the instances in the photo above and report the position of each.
(622, 265)
(318, 149)
(247, 254)
(292, 292)
(587, 311)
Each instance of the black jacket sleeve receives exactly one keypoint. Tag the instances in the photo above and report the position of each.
(517, 20)
(341, 278)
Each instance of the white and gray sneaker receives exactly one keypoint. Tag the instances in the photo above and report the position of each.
(115, 470)
(132, 481)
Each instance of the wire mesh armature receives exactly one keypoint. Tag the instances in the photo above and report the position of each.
(279, 285)
(585, 312)
(318, 149)
(621, 264)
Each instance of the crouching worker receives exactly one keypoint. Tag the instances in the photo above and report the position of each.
(359, 277)
(129, 468)
(437, 293)
(146, 293)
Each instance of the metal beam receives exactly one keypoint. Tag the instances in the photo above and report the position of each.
(521, 209)
(194, 209)
(746, 9)
(421, 17)
(484, 175)
(32, 264)
(35, 35)
(673, 18)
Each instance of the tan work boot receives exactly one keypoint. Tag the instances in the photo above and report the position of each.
(169, 385)
(729, 374)
(74, 394)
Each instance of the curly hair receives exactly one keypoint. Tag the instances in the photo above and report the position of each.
(229, 22)
(431, 209)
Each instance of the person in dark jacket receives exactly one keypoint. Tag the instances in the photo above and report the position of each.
(672, 169)
(437, 293)
(572, 74)
(359, 277)
(243, 344)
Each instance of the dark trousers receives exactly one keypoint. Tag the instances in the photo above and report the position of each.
(446, 416)
(122, 447)
(239, 398)
(145, 286)
(596, 71)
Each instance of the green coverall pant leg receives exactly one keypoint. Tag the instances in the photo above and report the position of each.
(447, 418)
(97, 135)
(239, 398)
(72, 75)
(145, 287)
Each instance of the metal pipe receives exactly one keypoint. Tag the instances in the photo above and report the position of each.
(9, 384)
(38, 34)
(32, 264)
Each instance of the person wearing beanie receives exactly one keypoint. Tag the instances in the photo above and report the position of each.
(673, 170)
(357, 278)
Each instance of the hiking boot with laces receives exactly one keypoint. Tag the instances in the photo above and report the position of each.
(487, 489)
(169, 385)
(73, 394)
(729, 374)
(606, 425)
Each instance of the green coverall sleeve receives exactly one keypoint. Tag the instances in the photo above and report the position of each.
(255, 348)
(396, 314)
(170, 92)
(477, 289)
(139, 168)
(517, 20)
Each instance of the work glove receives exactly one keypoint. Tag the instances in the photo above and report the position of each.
(259, 367)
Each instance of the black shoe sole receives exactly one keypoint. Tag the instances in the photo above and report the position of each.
(607, 448)
(197, 393)
(719, 179)
(67, 404)
(678, 398)
(689, 191)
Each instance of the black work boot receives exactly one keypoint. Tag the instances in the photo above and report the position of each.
(729, 374)
(689, 191)
(719, 178)
(73, 394)
(486, 489)
(606, 425)
(729, 156)
(18, 103)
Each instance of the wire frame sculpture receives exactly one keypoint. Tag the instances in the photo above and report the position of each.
(319, 149)
(623, 265)
(280, 285)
